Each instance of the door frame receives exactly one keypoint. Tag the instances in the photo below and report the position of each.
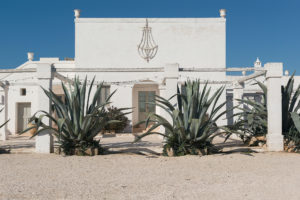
(135, 90)
(17, 114)
(146, 105)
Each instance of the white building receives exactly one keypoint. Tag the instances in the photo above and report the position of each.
(107, 48)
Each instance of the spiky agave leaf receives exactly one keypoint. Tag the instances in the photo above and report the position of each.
(193, 118)
(79, 120)
(253, 120)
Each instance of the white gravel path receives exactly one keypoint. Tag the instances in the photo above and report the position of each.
(122, 176)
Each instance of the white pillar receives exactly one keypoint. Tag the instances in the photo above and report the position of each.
(162, 90)
(44, 140)
(171, 72)
(274, 105)
(238, 90)
(160, 111)
(4, 132)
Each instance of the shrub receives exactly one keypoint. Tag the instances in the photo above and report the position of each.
(79, 120)
(193, 125)
(114, 113)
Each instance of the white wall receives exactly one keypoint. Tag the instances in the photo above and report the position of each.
(112, 43)
(192, 42)
(28, 81)
(14, 98)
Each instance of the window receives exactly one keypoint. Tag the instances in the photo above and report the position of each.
(105, 92)
(146, 101)
(23, 92)
(151, 100)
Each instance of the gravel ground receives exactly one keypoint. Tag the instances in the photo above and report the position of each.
(125, 176)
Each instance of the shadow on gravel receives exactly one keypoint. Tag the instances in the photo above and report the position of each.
(17, 146)
(145, 148)
(4, 150)
(135, 151)
(244, 151)
(131, 144)
(235, 146)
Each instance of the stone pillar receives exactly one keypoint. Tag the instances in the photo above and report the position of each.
(44, 140)
(238, 90)
(171, 73)
(4, 132)
(274, 105)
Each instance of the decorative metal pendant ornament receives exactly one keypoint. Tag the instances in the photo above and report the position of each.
(147, 47)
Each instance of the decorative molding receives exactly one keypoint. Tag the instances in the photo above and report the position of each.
(231, 69)
(147, 47)
(252, 76)
(160, 69)
(63, 78)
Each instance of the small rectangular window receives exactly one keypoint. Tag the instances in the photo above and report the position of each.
(23, 91)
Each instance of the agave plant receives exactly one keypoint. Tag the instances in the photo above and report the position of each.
(5, 121)
(193, 120)
(290, 116)
(290, 104)
(252, 120)
(79, 120)
(3, 150)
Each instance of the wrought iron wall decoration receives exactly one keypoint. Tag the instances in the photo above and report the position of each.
(147, 47)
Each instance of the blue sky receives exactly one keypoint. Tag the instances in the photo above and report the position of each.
(269, 29)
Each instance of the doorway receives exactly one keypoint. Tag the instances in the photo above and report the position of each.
(146, 104)
(142, 102)
(24, 114)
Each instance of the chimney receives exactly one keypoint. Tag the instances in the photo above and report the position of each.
(30, 56)
(223, 13)
(77, 13)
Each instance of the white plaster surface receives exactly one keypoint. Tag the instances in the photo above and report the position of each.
(274, 136)
(112, 42)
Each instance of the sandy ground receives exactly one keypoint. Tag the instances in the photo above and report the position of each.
(135, 171)
(123, 176)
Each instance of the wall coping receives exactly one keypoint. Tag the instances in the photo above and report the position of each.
(151, 20)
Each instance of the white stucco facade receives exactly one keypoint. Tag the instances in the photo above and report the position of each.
(193, 42)
(107, 48)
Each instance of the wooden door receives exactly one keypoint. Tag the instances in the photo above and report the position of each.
(146, 106)
(24, 114)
